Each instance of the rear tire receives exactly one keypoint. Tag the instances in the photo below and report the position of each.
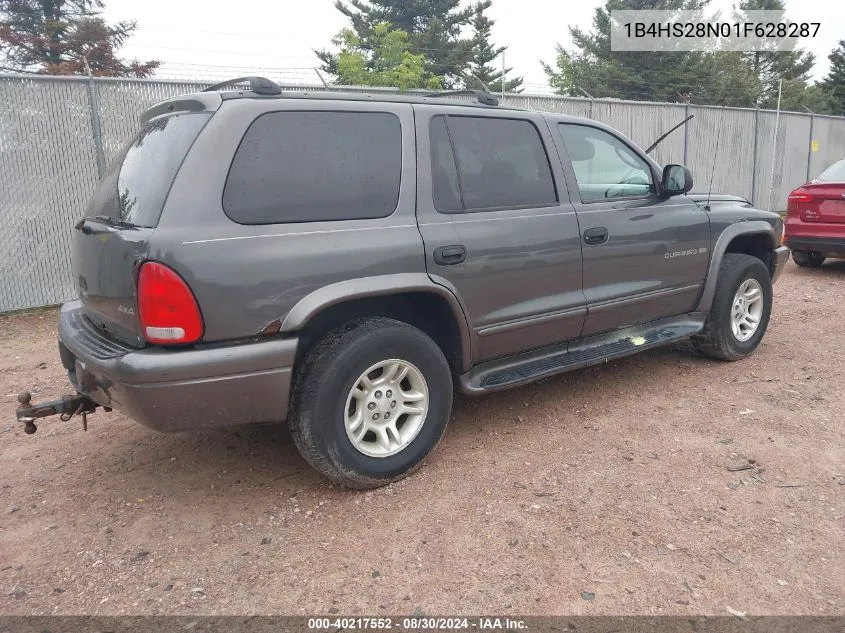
(356, 417)
(741, 309)
(813, 259)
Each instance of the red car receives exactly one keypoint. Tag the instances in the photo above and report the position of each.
(815, 218)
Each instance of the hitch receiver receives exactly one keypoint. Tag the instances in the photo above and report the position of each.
(66, 408)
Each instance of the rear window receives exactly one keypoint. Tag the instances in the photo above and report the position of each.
(834, 173)
(315, 166)
(136, 187)
(481, 163)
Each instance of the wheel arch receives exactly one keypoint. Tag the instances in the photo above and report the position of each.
(753, 238)
(409, 297)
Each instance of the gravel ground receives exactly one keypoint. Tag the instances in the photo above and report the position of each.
(604, 491)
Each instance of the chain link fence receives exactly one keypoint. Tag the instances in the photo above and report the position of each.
(58, 135)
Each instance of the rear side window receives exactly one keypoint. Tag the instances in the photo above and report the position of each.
(136, 187)
(495, 163)
(315, 166)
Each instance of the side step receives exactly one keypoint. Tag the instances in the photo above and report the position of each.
(548, 361)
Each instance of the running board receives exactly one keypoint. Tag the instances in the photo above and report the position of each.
(527, 367)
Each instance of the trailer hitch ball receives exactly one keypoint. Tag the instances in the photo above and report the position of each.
(25, 398)
(65, 407)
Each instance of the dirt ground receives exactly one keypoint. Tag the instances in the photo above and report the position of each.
(604, 491)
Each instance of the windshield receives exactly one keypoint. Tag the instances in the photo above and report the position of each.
(834, 173)
(134, 190)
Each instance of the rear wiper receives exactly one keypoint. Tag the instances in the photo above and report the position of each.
(107, 219)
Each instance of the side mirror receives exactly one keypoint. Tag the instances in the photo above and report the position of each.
(677, 179)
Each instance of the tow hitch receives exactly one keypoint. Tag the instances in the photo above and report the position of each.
(66, 408)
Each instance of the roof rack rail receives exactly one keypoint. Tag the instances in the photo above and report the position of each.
(480, 95)
(258, 85)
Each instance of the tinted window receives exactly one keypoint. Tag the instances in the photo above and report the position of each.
(604, 166)
(834, 173)
(137, 184)
(444, 171)
(502, 163)
(315, 166)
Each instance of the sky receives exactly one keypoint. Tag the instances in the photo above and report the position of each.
(275, 38)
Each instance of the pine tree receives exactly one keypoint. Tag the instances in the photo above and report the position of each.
(64, 37)
(834, 83)
(592, 68)
(770, 67)
(723, 78)
(484, 54)
(433, 28)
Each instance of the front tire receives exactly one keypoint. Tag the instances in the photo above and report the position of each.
(370, 402)
(741, 309)
(813, 259)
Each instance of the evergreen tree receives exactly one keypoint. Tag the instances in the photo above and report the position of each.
(724, 78)
(58, 37)
(834, 83)
(433, 27)
(770, 67)
(592, 68)
(484, 54)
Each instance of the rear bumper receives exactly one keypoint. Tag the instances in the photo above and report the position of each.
(830, 245)
(781, 255)
(178, 390)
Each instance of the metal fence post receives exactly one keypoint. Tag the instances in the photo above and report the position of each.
(754, 156)
(94, 107)
(810, 146)
(686, 130)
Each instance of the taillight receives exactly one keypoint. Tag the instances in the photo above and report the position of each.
(800, 196)
(168, 311)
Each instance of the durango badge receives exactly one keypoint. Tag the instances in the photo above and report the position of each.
(692, 251)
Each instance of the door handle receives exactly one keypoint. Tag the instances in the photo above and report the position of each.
(448, 255)
(595, 236)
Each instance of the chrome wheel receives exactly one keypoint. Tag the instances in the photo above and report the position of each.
(747, 309)
(386, 408)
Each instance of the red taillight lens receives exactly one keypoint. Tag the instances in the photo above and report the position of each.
(167, 308)
(800, 196)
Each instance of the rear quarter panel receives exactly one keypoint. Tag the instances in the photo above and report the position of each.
(246, 278)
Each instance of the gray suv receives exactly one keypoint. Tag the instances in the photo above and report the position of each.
(343, 261)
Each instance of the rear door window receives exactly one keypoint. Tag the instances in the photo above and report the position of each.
(494, 163)
(315, 166)
(134, 190)
(444, 171)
